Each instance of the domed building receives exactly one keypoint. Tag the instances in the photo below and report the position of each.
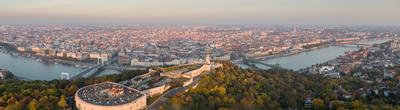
(109, 96)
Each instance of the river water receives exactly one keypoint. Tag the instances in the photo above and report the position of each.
(306, 59)
(35, 70)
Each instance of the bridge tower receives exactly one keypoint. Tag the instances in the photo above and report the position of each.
(64, 75)
(101, 60)
(98, 60)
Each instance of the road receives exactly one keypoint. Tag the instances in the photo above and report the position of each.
(95, 67)
(122, 68)
(165, 97)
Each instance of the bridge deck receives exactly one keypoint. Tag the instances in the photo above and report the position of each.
(97, 66)
(259, 62)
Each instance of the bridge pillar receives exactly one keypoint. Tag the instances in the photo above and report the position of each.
(64, 75)
(98, 60)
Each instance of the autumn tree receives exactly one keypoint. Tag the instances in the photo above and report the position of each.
(62, 102)
(33, 105)
(318, 104)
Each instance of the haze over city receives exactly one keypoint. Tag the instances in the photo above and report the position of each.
(255, 12)
(199, 55)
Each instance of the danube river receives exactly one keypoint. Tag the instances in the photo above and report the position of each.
(306, 59)
(35, 70)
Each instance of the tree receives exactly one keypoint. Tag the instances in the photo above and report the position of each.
(176, 103)
(72, 89)
(16, 106)
(44, 101)
(47, 94)
(338, 104)
(62, 103)
(11, 101)
(318, 104)
(247, 102)
(2, 102)
(33, 105)
(357, 105)
(25, 100)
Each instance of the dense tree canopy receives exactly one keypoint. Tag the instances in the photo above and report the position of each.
(233, 88)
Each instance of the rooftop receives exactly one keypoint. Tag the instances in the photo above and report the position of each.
(108, 94)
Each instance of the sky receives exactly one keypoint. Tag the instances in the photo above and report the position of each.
(322, 12)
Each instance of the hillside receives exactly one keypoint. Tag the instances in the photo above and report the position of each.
(244, 89)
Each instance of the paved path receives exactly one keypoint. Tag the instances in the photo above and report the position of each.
(165, 97)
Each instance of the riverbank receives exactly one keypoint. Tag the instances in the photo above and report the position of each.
(56, 61)
(355, 56)
(315, 56)
(306, 59)
(7, 47)
(47, 60)
(26, 66)
(286, 54)
(33, 69)
(11, 49)
(324, 45)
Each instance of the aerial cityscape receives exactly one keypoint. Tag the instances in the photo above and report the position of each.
(199, 55)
